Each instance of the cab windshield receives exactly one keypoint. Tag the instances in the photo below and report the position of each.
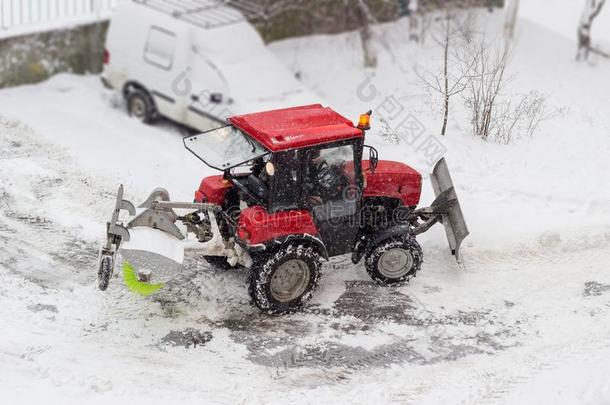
(224, 148)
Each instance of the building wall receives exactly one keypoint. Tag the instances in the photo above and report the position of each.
(32, 58)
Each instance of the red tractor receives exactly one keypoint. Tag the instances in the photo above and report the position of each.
(295, 189)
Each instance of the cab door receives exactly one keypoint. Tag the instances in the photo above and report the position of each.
(332, 184)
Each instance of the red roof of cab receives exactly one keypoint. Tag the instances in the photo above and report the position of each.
(296, 127)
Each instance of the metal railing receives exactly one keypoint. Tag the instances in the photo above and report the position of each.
(23, 14)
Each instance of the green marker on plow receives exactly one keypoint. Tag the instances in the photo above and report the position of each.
(135, 285)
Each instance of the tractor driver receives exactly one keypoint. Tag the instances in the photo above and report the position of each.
(258, 168)
(324, 178)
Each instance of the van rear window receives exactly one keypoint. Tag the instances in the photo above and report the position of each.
(160, 48)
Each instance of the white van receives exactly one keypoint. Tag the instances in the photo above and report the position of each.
(195, 62)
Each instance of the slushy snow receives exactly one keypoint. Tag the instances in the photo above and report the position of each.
(525, 318)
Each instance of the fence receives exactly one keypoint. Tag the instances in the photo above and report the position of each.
(21, 14)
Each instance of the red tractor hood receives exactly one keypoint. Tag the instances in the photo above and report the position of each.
(394, 180)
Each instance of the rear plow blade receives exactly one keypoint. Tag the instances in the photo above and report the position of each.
(447, 205)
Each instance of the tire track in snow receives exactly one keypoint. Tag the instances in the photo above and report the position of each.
(39, 188)
(546, 265)
(545, 360)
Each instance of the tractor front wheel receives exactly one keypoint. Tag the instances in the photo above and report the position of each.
(395, 261)
(286, 280)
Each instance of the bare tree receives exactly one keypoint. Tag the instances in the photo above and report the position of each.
(425, 22)
(450, 81)
(495, 115)
(590, 12)
(512, 11)
(487, 78)
(367, 20)
(420, 20)
(512, 119)
(413, 9)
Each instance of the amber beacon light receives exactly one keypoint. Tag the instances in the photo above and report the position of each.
(365, 121)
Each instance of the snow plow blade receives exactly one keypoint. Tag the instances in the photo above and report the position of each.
(451, 213)
(445, 209)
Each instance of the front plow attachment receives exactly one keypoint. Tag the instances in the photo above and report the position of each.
(445, 209)
(152, 244)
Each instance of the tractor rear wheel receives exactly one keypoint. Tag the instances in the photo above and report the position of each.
(286, 280)
(394, 261)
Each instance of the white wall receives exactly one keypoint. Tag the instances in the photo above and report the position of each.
(21, 14)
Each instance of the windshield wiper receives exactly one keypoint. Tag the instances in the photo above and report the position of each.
(251, 142)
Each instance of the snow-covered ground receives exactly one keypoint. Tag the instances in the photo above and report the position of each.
(525, 319)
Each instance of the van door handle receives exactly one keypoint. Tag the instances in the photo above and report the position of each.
(195, 97)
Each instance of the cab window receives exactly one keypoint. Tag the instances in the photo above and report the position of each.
(329, 174)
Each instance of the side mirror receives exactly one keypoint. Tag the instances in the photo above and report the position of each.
(373, 158)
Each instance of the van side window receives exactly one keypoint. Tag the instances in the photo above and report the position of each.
(160, 48)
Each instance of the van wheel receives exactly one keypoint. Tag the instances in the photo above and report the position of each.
(394, 261)
(285, 281)
(141, 106)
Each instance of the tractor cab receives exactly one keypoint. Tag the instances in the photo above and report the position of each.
(305, 158)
